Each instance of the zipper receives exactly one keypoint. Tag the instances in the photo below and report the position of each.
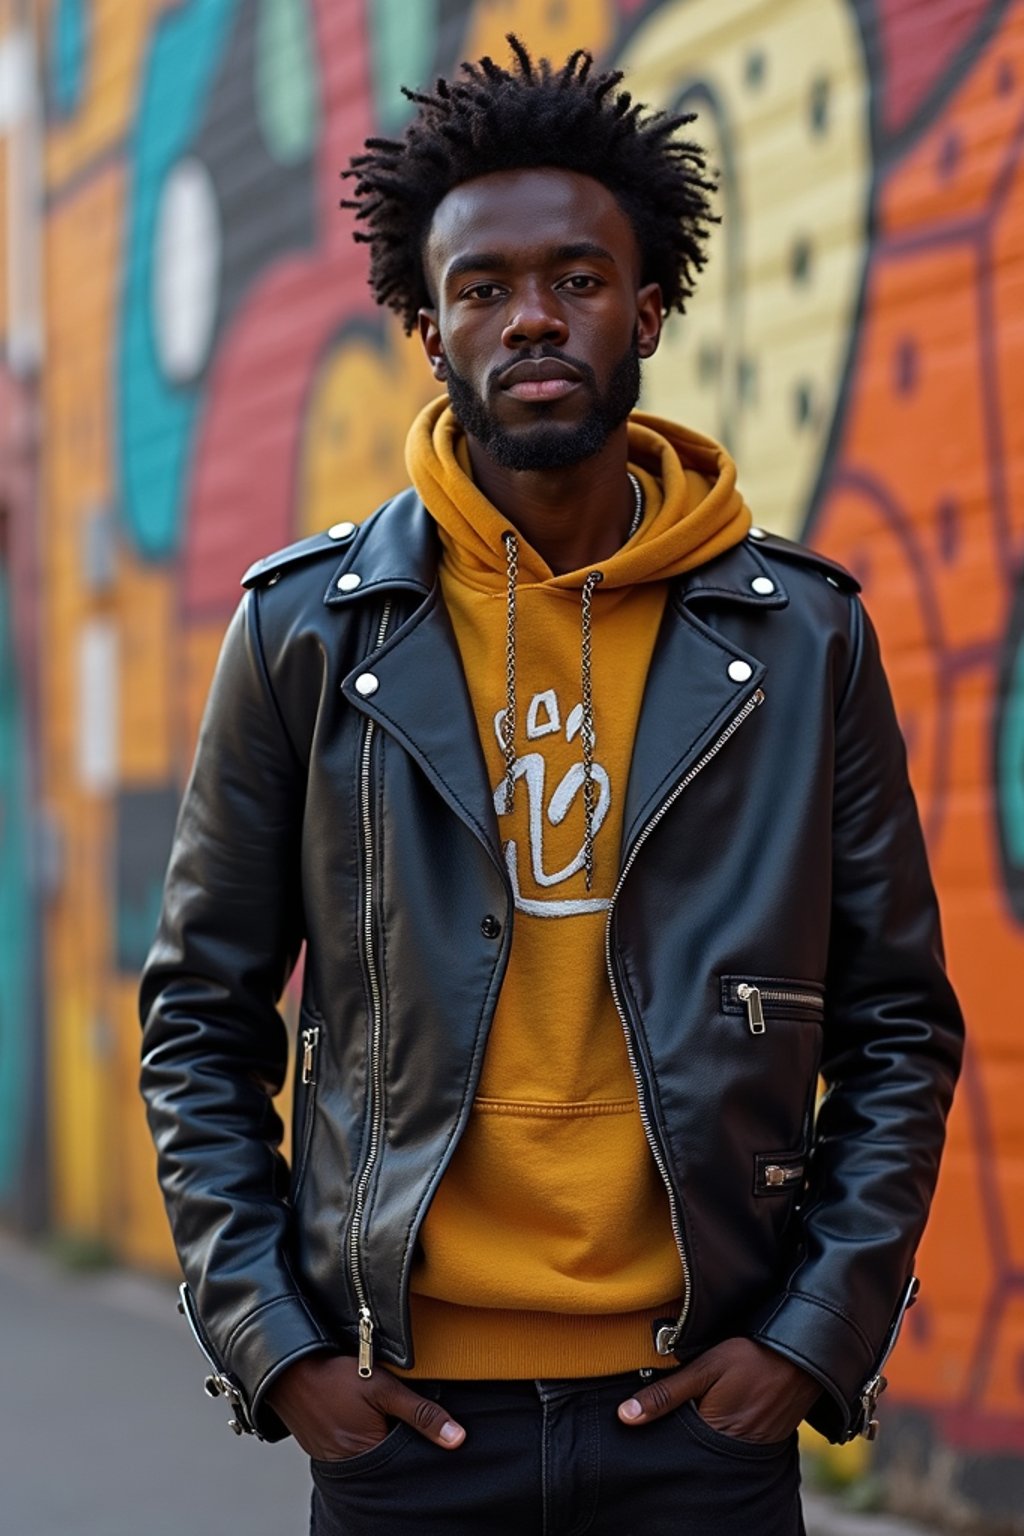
(218, 1383)
(375, 1086)
(310, 1041)
(755, 997)
(668, 1335)
(307, 1076)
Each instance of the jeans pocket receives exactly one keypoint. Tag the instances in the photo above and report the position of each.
(700, 1430)
(364, 1461)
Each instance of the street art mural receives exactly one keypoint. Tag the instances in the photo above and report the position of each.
(858, 341)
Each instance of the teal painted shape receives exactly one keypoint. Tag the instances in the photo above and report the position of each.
(16, 915)
(1010, 771)
(286, 86)
(157, 419)
(69, 32)
(402, 39)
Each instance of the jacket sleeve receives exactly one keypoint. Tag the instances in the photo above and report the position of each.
(215, 1047)
(892, 1045)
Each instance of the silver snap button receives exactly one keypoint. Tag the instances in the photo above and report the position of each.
(763, 586)
(366, 683)
(756, 533)
(739, 671)
(348, 582)
(341, 530)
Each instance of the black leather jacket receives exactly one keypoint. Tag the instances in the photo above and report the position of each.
(774, 918)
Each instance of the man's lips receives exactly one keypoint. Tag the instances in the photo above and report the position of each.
(544, 379)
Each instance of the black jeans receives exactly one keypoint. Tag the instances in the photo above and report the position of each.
(550, 1458)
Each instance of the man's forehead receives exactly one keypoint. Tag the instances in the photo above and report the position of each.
(543, 205)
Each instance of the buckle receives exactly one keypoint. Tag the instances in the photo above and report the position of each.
(218, 1383)
(868, 1404)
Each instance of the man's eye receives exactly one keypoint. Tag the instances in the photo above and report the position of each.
(579, 282)
(482, 291)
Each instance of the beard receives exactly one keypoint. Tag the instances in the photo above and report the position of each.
(549, 445)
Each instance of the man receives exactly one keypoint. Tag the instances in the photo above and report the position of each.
(588, 801)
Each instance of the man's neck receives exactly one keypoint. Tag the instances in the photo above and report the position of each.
(572, 517)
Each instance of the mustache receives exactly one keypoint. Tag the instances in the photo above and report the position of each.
(536, 355)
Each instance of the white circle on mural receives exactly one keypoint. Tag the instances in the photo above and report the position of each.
(186, 271)
(783, 103)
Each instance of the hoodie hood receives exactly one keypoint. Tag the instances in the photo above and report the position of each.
(693, 509)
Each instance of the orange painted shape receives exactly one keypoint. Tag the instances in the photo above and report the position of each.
(118, 37)
(952, 172)
(1000, 1072)
(937, 1346)
(1004, 1388)
(1007, 336)
(917, 429)
(854, 531)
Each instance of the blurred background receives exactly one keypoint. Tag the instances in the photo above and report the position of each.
(192, 373)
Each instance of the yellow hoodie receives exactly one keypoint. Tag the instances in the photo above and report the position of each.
(548, 1249)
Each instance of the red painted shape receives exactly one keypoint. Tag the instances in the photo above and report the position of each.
(919, 42)
(986, 1434)
(242, 488)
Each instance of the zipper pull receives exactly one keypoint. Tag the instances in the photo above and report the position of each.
(365, 1342)
(309, 1044)
(775, 1176)
(755, 1013)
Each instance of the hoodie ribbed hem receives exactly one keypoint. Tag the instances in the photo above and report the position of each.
(481, 1344)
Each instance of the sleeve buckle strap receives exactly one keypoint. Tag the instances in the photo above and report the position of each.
(866, 1423)
(218, 1383)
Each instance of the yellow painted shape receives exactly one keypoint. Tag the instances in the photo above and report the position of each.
(353, 439)
(844, 1463)
(552, 31)
(147, 615)
(761, 334)
(141, 1233)
(200, 648)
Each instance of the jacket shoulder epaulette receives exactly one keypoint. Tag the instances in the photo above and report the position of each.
(269, 568)
(801, 554)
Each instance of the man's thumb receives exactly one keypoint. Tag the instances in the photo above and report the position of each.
(428, 1418)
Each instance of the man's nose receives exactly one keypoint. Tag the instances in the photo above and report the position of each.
(537, 317)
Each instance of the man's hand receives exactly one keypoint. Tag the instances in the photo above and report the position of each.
(740, 1388)
(334, 1413)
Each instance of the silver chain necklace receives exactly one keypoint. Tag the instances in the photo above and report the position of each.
(638, 509)
(587, 732)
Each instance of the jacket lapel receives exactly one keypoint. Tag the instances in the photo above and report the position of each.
(697, 683)
(419, 693)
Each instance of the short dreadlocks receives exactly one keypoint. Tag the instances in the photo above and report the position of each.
(498, 119)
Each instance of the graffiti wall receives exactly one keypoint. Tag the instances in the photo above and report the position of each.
(217, 382)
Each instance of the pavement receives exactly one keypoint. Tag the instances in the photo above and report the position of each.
(105, 1430)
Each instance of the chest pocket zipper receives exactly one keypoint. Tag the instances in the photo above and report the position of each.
(755, 996)
(307, 1076)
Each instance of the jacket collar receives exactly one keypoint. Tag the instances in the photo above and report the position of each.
(696, 686)
(399, 548)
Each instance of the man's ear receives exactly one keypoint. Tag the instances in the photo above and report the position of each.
(649, 316)
(430, 336)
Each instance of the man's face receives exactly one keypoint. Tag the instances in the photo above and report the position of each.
(539, 322)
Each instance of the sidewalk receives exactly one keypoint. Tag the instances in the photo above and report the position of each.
(104, 1429)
